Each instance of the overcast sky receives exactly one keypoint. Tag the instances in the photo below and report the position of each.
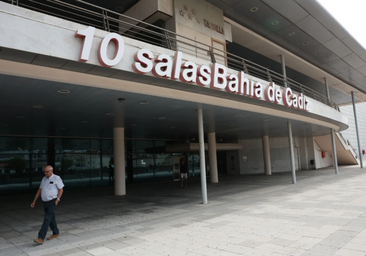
(349, 13)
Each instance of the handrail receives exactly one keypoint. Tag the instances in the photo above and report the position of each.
(108, 20)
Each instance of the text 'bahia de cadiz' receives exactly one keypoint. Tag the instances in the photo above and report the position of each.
(214, 75)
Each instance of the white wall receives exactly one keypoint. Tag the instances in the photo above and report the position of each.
(56, 38)
(251, 159)
(350, 133)
(319, 161)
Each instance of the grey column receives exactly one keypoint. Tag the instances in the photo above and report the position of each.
(335, 161)
(289, 127)
(119, 161)
(306, 154)
(292, 155)
(326, 88)
(202, 156)
(284, 70)
(358, 136)
(334, 148)
(214, 178)
(266, 155)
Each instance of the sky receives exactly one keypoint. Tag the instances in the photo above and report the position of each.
(350, 14)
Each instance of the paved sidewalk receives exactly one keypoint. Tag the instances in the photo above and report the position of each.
(323, 214)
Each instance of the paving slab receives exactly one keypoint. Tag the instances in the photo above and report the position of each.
(323, 214)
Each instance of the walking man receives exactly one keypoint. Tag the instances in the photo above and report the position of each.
(50, 190)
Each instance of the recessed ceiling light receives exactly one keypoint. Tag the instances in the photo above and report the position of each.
(144, 102)
(162, 118)
(37, 106)
(306, 43)
(275, 22)
(254, 9)
(109, 114)
(291, 34)
(20, 117)
(63, 91)
(85, 122)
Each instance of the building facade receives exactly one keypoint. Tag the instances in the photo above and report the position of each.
(111, 93)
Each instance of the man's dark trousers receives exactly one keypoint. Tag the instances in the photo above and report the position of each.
(49, 219)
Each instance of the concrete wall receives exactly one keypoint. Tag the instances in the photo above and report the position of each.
(350, 133)
(321, 162)
(251, 161)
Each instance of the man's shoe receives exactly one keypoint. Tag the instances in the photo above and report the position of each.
(52, 237)
(38, 241)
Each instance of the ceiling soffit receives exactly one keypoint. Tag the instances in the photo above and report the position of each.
(306, 29)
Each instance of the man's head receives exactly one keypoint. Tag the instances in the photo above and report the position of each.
(48, 171)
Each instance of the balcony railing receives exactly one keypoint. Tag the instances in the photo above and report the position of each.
(91, 15)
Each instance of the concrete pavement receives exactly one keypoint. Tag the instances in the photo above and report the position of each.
(323, 214)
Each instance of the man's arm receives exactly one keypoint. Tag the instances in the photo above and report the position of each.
(60, 192)
(36, 197)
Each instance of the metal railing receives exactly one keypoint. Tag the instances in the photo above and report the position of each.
(91, 15)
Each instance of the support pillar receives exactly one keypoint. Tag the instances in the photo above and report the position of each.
(266, 155)
(289, 127)
(326, 88)
(202, 156)
(284, 70)
(335, 161)
(358, 136)
(292, 155)
(214, 178)
(334, 148)
(119, 161)
(306, 154)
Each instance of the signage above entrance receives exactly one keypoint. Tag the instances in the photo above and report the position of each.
(214, 75)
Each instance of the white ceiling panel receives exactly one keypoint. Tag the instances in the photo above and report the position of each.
(49, 61)
(13, 55)
(339, 48)
(362, 70)
(354, 61)
(102, 71)
(317, 11)
(289, 9)
(77, 66)
(355, 46)
(316, 30)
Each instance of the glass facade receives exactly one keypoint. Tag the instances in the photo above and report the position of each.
(85, 162)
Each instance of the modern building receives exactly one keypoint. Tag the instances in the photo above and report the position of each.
(234, 86)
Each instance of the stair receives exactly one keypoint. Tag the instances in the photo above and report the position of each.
(346, 154)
